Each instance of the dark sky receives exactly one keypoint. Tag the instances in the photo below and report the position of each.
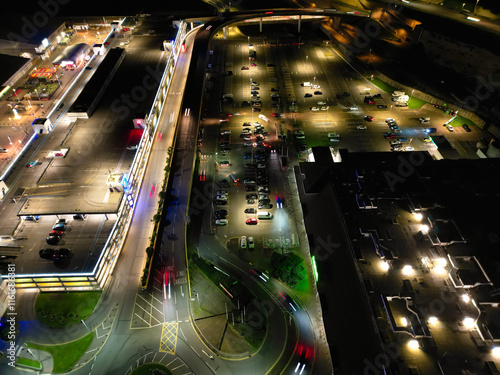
(127, 7)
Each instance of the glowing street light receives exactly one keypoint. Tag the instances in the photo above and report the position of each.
(433, 320)
(466, 298)
(495, 351)
(413, 344)
(384, 265)
(469, 323)
(408, 270)
(418, 216)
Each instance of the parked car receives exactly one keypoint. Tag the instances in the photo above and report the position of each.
(381, 106)
(250, 211)
(221, 222)
(52, 240)
(251, 221)
(466, 128)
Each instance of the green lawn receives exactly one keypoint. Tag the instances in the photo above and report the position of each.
(65, 309)
(415, 103)
(65, 355)
(462, 120)
(29, 363)
(383, 85)
(148, 367)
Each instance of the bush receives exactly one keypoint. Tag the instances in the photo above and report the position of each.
(149, 251)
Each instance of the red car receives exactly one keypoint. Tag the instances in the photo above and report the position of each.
(390, 136)
(368, 118)
(253, 64)
(251, 221)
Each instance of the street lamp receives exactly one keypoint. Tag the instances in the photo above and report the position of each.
(475, 6)
(306, 61)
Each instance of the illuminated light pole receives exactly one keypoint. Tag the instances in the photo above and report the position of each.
(475, 6)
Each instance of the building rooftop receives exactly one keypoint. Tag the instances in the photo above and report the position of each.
(10, 65)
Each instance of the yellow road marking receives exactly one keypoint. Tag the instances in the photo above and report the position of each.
(168, 341)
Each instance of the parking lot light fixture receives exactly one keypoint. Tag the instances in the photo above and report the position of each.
(496, 351)
(418, 216)
(413, 344)
(466, 298)
(469, 323)
(408, 270)
(433, 320)
(384, 265)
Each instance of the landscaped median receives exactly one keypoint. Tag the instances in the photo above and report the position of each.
(29, 363)
(151, 368)
(66, 355)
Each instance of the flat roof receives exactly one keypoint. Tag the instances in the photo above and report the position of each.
(77, 183)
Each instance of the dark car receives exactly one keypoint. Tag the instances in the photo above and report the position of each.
(60, 254)
(250, 211)
(318, 93)
(264, 201)
(382, 106)
(220, 202)
(250, 201)
(251, 196)
(245, 68)
(46, 253)
(249, 188)
(308, 95)
(466, 128)
(52, 240)
(265, 206)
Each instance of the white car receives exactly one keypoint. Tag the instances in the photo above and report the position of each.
(221, 196)
(262, 117)
(361, 127)
(321, 102)
(324, 108)
(314, 109)
(389, 119)
(353, 108)
(248, 144)
(409, 148)
(251, 243)
(316, 87)
(243, 242)
(221, 222)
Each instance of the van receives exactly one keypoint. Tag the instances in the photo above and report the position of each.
(234, 178)
(264, 215)
(263, 117)
(306, 84)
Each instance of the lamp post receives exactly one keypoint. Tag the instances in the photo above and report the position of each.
(475, 6)
(306, 61)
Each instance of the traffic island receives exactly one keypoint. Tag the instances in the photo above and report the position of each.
(30, 364)
(66, 355)
(151, 368)
(226, 324)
